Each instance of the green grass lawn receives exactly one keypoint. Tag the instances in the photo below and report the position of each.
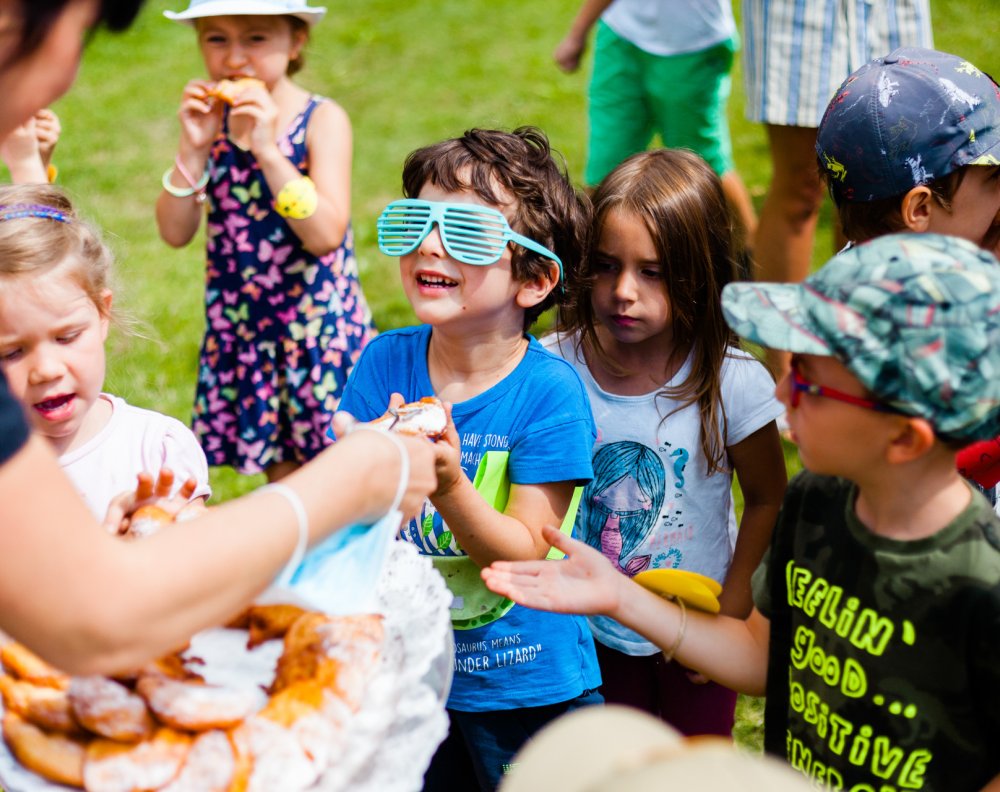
(408, 75)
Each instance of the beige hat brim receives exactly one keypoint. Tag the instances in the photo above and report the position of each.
(310, 15)
(619, 749)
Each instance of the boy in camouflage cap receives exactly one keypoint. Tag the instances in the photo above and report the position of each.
(876, 631)
(911, 142)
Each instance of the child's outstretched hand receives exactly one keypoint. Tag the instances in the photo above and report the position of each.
(200, 115)
(583, 582)
(146, 492)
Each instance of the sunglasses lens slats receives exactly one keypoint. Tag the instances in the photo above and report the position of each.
(475, 236)
(400, 228)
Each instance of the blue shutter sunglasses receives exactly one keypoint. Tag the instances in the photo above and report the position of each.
(471, 233)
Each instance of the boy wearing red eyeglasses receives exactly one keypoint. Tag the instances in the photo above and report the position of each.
(488, 230)
(876, 631)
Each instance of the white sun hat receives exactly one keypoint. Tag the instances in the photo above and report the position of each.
(208, 8)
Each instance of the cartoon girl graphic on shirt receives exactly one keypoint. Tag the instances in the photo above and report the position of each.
(622, 502)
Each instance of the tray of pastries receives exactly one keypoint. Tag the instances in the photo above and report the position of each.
(288, 696)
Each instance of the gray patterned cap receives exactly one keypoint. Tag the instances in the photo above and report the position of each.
(906, 119)
(915, 317)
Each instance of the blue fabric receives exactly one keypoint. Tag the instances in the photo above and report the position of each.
(13, 424)
(540, 414)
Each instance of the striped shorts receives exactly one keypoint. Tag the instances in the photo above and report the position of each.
(796, 53)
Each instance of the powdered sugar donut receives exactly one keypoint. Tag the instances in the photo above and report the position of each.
(110, 709)
(117, 767)
(195, 706)
(209, 767)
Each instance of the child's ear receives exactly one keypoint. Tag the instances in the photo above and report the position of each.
(533, 291)
(104, 309)
(914, 439)
(299, 40)
(916, 208)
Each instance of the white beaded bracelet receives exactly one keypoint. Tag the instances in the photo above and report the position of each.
(299, 508)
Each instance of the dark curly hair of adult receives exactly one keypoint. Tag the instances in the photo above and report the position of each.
(518, 168)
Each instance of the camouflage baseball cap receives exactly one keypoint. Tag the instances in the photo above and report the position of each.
(906, 119)
(915, 317)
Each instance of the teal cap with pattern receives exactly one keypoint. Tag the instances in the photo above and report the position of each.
(915, 317)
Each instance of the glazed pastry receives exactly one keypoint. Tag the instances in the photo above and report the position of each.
(229, 90)
(57, 757)
(25, 665)
(111, 766)
(265, 622)
(147, 520)
(210, 765)
(196, 706)
(425, 417)
(109, 709)
(43, 706)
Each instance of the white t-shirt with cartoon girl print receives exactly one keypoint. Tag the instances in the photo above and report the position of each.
(651, 504)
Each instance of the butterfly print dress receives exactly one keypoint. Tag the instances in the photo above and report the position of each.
(282, 327)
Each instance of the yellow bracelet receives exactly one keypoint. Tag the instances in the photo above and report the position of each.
(668, 654)
(298, 199)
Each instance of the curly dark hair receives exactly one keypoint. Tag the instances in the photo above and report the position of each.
(499, 166)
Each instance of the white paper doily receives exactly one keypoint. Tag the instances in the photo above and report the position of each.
(388, 743)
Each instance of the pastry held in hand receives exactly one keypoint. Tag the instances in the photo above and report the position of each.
(147, 520)
(230, 90)
(425, 418)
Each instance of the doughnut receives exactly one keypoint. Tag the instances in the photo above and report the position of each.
(210, 765)
(424, 418)
(278, 759)
(25, 665)
(355, 644)
(265, 622)
(229, 90)
(305, 656)
(110, 709)
(57, 757)
(298, 700)
(46, 707)
(111, 766)
(196, 706)
(147, 520)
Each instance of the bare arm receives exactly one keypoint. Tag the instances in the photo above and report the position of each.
(200, 117)
(760, 468)
(91, 603)
(21, 154)
(569, 51)
(731, 651)
(330, 150)
(484, 533)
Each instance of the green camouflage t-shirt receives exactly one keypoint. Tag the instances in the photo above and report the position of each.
(884, 665)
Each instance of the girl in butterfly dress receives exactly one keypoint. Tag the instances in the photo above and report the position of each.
(285, 315)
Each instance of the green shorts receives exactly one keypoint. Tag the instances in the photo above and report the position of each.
(634, 95)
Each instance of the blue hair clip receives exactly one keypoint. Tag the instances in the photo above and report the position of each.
(17, 211)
